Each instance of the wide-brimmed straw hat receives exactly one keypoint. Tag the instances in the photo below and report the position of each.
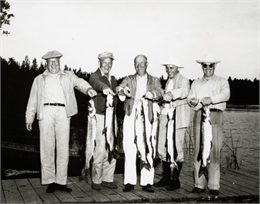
(208, 58)
(173, 61)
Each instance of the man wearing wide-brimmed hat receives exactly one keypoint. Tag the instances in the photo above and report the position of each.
(52, 97)
(212, 91)
(104, 83)
(175, 96)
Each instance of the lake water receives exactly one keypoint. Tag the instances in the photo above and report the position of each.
(241, 127)
(240, 144)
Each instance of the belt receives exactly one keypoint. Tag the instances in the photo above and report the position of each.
(215, 110)
(54, 104)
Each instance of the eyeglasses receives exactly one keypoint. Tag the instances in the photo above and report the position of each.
(208, 65)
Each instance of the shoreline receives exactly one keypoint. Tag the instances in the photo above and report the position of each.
(242, 107)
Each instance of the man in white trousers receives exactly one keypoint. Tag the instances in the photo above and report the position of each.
(134, 87)
(52, 97)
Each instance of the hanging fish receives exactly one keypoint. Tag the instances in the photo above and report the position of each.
(140, 136)
(170, 138)
(154, 131)
(91, 138)
(109, 130)
(205, 141)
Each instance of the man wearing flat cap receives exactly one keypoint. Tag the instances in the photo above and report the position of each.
(175, 99)
(52, 97)
(103, 169)
(135, 87)
(212, 91)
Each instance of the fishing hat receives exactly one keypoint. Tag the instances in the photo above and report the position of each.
(52, 54)
(173, 61)
(208, 58)
(106, 55)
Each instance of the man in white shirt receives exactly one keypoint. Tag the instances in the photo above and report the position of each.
(52, 97)
(175, 96)
(212, 91)
(134, 87)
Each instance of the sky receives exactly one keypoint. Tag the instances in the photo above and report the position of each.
(158, 29)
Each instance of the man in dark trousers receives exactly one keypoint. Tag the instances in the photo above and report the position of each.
(104, 84)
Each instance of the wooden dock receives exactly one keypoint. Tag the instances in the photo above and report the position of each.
(236, 186)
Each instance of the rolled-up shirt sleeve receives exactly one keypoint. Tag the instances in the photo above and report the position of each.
(224, 94)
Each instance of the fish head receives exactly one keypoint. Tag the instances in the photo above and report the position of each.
(170, 113)
(91, 107)
(109, 100)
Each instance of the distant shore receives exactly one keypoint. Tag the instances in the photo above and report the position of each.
(231, 107)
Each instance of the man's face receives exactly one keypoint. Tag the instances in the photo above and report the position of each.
(106, 65)
(141, 65)
(171, 70)
(208, 69)
(53, 65)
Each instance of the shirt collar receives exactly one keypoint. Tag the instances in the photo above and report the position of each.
(102, 73)
(213, 77)
(141, 77)
(47, 73)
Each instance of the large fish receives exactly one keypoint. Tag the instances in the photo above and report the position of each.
(109, 130)
(91, 138)
(154, 131)
(170, 138)
(205, 141)
(140, 136)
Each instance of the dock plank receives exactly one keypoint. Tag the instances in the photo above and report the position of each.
(78, 194)
(2, 199)
(12, 194)
(27, 192)
(41, 191)
(128, 195)
(97, 196)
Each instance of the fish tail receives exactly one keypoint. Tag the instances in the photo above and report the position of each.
(145, 165)
(203, 170)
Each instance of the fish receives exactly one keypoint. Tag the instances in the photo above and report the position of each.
(154, 130)
(109, 130)
(90, 139)
(205, 141)
(140, 136)
(170, 138)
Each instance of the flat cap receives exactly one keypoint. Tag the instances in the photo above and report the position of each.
(106, 55)
(52, 54)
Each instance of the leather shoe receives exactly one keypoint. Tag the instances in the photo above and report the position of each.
(175, 184)
(96, 186)
(128, 187)
(63, 188)
(50, 188)
(214, 192)
(197, 190)
(110, 185)
(148, 188)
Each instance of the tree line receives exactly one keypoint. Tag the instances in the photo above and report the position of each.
(17, 80)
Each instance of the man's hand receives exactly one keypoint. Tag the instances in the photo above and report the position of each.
(28, 126)
(149, 95)
(108, 91)
(167, 97)
(127, 92)
(206, 101)
(91, 92)
(193, 101)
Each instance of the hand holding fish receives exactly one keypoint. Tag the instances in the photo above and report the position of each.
(193, 101)
(127, 92)
(206, 101)
(108, 91)
(167, 97)
(149, 95)
(91, 92)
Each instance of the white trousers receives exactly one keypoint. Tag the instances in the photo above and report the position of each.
(102, 170)
(54, 131)
(130, 150)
